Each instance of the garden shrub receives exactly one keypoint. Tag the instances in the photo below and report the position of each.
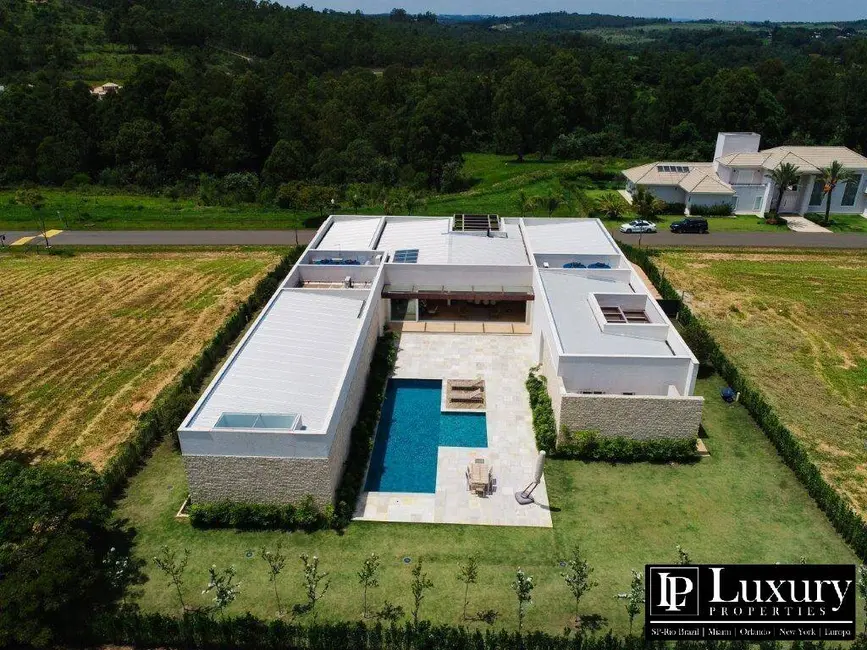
(305, 515)
(589, 445)
(544, 423)
(673, 208)
(5, 415)
(716, 210)
(845, 520)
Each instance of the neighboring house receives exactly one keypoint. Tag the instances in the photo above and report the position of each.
(105, 89)
(740, 175)
(274, 424)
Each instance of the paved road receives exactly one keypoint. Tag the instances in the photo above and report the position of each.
(287, 238)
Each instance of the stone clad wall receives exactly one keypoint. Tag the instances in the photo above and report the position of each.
(632, 416)
(256, 479)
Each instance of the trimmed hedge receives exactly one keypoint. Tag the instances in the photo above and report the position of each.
(175, 400)
(715, 210)
(306, 515)
(247, 632)
(845, 520)
(589, 445)
(544, 423)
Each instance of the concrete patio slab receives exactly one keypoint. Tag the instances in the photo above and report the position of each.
(511, 450)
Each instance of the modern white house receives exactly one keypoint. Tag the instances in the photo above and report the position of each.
(740, 176)
(274, 423)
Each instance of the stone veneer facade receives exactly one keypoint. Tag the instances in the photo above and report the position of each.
(631, 416)
(261, 479)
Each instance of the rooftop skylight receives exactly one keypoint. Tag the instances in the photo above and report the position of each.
(287, 421)
(677, 169)
(406, 256)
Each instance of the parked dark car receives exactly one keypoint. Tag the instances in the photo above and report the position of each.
(690, 224)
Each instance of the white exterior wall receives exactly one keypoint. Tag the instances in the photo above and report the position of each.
(837, 197)
(737, 142)
(710, 199)
(668, 193)
(639, 375)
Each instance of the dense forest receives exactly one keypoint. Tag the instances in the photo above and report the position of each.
(269, 95)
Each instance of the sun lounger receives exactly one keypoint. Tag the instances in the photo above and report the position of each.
(466, 384)
(475, 396)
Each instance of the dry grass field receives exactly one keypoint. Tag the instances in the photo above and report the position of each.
(796, 324)
(88, 341)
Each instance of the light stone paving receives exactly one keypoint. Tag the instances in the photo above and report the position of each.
(503, 363)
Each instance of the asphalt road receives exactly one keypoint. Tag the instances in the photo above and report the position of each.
(287, 238)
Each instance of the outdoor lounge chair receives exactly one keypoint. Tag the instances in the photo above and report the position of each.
(475, 396)
(466, 384)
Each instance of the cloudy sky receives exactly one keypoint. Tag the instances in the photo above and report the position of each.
(776, 10)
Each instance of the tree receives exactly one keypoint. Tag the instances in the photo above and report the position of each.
(368, 577)
(553, 201)
(223, 584)
(525, 204)
(523, 588)
(35, 201)
(174, 567)
(410, 202)
(645, 204)
(862, 590)
(577, 577)
(56, 533)
(468, 574)
(784, 176)
(320, 198)
(420, 584)
(634, 598)
(312, 578)
(830, 177)
(5, 415)
(611, 206)
(276, 560)
(682, 556)
(287, 162)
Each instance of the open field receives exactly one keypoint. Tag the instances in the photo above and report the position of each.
(794, 323)
(88, 341)
(739, 505)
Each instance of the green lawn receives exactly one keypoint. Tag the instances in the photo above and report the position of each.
(97, 210)
(842, 222)
(740, 223)
(739, 505)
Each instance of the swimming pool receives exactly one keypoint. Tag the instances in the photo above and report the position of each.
(411, 429)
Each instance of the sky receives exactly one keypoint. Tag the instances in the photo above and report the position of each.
(752, 10)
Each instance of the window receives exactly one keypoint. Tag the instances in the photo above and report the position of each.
(757, 203)
(406, 256)
(851, 191)
(816, 195)
(618, 315)
(592, 392)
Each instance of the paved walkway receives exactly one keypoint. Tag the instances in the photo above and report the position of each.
(287, 238)
(503, 364)
(802, 224)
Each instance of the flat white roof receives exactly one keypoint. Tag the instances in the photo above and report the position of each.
(575, 236)
(292, 362)
(576, 326)
(352, 233)
(437, 245)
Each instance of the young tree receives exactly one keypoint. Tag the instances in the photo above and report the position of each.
(784, 176)
(118, 571)
(469, 575)
(577, 577)
(611, 206)
(223, 584)
(420, 584)
(523, 588)
(553, 201)
(312, 578)
(35, 201)
(525, 204)
(830, 177)
(410, 202)
(682, 556)
(174, 567)
(645, 204)
(634, 598)
(276, 560)
(368, 577)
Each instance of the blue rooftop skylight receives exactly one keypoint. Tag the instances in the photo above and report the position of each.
(406, 256)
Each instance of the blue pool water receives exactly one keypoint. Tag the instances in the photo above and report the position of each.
(411, 429)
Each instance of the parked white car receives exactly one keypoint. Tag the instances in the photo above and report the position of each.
(637, 226)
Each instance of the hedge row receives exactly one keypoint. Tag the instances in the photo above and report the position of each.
(848, 523)
(715, 210)
(306, 515)
(589, 445)
(175, 400)
(544, 423)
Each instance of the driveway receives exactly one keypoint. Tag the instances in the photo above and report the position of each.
(802, 224)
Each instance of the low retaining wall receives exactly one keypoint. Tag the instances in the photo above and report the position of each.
(631, 416)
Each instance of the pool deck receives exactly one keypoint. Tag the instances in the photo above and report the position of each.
(503, 364)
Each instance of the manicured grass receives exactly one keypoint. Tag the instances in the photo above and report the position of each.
(794, 323)
(841, 222)
(739, 505)
(101, 210)
(89, 340)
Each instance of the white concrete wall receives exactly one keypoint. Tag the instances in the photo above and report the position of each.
(639, 375)
(457, 275)
(710, 199)
(837, 197)
(736, 142)
(667, 193)
(746, 198)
